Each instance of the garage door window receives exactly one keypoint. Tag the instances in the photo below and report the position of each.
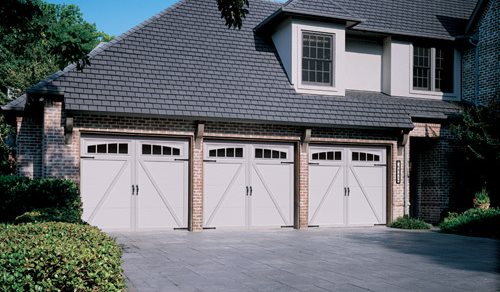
(109, 148)
(328, 155)
(364, 156)
(226, 152)
(151, 149)
(262, 153)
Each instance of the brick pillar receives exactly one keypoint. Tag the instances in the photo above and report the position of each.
(29, 140)
(303, 188)
(197, 186)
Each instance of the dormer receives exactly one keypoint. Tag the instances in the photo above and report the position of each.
(311, 47)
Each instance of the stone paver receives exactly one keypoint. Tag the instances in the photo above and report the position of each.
(324, 259)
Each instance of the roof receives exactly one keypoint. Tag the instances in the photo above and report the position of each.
(438, 19)
(173, 67)
(476, 15)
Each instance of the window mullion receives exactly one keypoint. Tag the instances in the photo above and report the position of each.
(433, 70)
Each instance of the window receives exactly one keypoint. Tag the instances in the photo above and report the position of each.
(110, 148)
(317, 59)
(432, 68)
(226, 152)
(269, 154)
(149, 149)
(328, 155)
(363, 156)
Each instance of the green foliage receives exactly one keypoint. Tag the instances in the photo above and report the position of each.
(475, 221)
(48, 199)
(58, 257)
(481, 198)
(477, 156)
(233, 12)
(406, 222)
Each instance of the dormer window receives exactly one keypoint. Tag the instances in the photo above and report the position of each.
(432, 69)
(317, 59)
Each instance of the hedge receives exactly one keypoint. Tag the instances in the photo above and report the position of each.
(45, 199)
(58, 257)
(406, 222)
(475, 222)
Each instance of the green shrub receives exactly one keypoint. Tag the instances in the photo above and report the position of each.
(475, 221)
(58, 257)
(50, 215)
(55, 199)
(481, 198)
(409, 223)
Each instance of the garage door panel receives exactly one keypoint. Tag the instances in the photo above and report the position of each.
(106, 193)
(272, 194)
(161, 201)
(224, 194)
(367, 195)
(326, 195)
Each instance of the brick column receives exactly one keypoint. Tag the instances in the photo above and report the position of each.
(197, 185)
(303, 189)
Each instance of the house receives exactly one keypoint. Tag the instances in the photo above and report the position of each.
(310, 115)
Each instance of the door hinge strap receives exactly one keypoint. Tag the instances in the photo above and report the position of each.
(286, 226)
(287, 162)
(209, 160)
(181, 159)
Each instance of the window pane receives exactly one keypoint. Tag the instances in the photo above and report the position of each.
(338, 155)
(315, 156)
(317, 61)
(212, 153)
(146, 149)
(101, 148)
(176, 151)
(156, 150)
(376, 158)
(444, 70)
(221, 152)
(113, 148)
(329, 155)
(355, 156)
(283, 155)
(230, 152)
(239, 152)
(91, 149)
(267, 153)
(167, 150)
(123, 148)
(362, 156)
(421, 68)
(276, 154)
(369, 157)
(322, 156)
(258, 153)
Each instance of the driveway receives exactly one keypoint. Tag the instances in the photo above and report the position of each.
(322, 259)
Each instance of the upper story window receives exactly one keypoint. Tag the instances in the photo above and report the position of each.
(317, 59)
(432, 68)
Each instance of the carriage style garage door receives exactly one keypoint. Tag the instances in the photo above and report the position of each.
(347, 186)
(248, 184)
(134, 183)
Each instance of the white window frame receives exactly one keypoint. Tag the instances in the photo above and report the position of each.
(454, 94)
(338, 47)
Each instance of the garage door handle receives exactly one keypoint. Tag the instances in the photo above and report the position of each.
(247, 192)
(251, 191)
(348, 192)
(136, 190)
(133, 190)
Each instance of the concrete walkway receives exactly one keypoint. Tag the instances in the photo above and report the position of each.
(324, 259)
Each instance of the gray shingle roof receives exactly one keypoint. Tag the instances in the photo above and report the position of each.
(441, 19)
(184, 63)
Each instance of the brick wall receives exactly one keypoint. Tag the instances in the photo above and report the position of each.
(62, 160)
(488, 47)
(432, 172)
(29, 139)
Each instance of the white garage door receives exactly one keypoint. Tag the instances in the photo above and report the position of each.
(248, 184)
(347, 186)
(134, 183)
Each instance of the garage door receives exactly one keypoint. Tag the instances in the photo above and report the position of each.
(134, 183)
(248, 184)
(347, 186)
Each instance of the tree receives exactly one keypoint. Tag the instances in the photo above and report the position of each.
(233, 12)
(477, 137)
(36, 40)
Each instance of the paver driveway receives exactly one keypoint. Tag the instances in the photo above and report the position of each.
(325, 259)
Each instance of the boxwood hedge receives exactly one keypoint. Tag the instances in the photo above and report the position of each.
(43, 199)
(475, 222)
(406, 222)
(58, 257)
